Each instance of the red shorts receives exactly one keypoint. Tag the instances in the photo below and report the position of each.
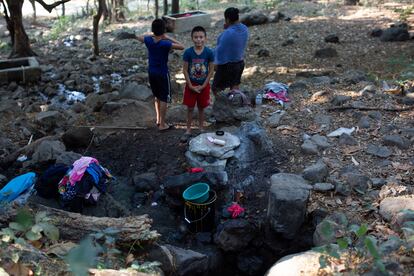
(191, 98)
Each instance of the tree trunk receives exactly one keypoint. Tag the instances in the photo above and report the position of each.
(120, 16)
(165, 7)
(96, 19)
(175, 7)
(63, 9)
(156, 8)
(33, 2)
(21, 42)
(9, 23)
(74, 226)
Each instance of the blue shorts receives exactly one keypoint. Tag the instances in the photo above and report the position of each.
(160, 86)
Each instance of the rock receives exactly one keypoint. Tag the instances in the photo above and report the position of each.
(227, 110)
(275, 16)
(326, 53)
(378, 182)
(323, 187)
(263, 53)
(337, 222)
(321, 141)
(111, 107)
(249, 263)
(377, 32)
(391, 206)
(407, 101)
(95, 101)
(145, 182)
(3, 180)
(331, 38)
(179, 261)
(379, 151)
(132, 113)
(78, 107)
(309, 147)
(210, 164)
(358, 182)
(408, 132)
(321, 80)
(77, 137)
(136, 91)
(49, 119)
(375, 115)
(392, 244)
(254, 18)
(342, 189)
(274, 120)
(364, 122)
(298, 86)
(354, 77)
(234, 235)
(125, 35)
(347, 140)
(323, 120)
(340, 99)
(397, 33)
(368, 89)
(316, 173)
(48, 151)
(396, 140)
(288, 198)
(201, 146)
(288, 42)
(67, 158)
(305, 263)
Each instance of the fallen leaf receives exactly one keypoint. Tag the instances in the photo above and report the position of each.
(350, 150)
(60, 249)
(399, 166)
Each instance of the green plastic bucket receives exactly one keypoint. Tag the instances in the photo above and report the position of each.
(197, 193)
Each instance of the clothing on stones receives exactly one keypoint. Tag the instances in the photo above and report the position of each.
(231, 44)
(17, 187)
(235, 210)
(277, 92)
(198, 64)
(79, 167)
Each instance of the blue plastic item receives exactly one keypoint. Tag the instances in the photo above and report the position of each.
(17, 186)
(197, 193)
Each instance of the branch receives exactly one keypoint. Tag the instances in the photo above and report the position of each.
(50, 7)
(395, 109)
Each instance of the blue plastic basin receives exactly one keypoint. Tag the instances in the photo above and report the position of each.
(197, 193)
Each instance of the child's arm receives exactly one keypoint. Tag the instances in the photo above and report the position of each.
(187, 77)
(140, 38)
(175, 43)
(210, 74)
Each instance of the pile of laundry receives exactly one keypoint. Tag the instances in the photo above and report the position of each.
(276, 91)
(74, 186)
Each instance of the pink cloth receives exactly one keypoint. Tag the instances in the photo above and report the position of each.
(280, 96)
(79, 168)
(235, 210)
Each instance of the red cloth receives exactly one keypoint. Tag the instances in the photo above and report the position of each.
(195, 170)
(191, 98)
(235, 210)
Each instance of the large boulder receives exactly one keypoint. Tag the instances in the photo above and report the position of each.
(226, 110)
(329, 229)
(135, 91)
(48, 151)
(200, 145)
(391, 206)
(234, 235)
(254, 18)
(133, 113)
(178, 261)
(49, 119)
(288, 198)
(305, 263)
(396, 33)
(77, 137)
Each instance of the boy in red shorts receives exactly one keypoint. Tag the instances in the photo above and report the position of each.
(198, 68)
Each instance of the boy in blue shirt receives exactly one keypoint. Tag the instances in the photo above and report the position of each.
(159, 46)
(198, 68)
(229, 52)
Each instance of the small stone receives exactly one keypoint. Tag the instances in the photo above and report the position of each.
(274, 120)
(376, 115)
(332, 38)
(364, 122)
(391, 206)
(288, 42)
(342, 189)
(378, 182)
(347, 140)
(309, 147)
(316, 173)
(340, 99)
(379, 151)
(263, 53)
(323, 120)
(326, 53)
(396, 140)
(357, 181)
(323, 187)
(392, 244)
(321, 141)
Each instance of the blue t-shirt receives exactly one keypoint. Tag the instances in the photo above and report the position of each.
(231, 44)
(157, 55)
(198, 64)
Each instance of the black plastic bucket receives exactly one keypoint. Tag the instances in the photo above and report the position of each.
(200, 216)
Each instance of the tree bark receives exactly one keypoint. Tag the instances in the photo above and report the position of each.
(33, 2)
(165, 6)
(74, 226)
(156, 8)
(21, 42)
(9, 23)
(175, 7)
(96, 19)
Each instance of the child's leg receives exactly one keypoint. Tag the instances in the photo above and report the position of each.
(201, 119)
(189, 119)
(163, 111)
(157, 110)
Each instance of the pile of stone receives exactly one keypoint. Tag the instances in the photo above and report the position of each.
(209, 155)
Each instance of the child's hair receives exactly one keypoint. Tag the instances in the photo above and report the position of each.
(232, 14)
(158, 27)
(198, 29)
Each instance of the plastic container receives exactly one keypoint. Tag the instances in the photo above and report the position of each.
(259, 99)
(197, 193)
(200, 217)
